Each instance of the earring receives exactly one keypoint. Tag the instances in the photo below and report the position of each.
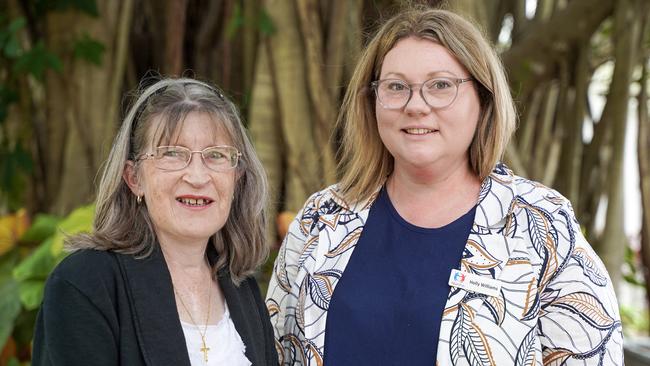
(138, 199)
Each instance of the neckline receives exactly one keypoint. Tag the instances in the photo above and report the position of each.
(224, 317)
(384, 199)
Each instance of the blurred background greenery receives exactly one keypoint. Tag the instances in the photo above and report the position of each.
(578, 70)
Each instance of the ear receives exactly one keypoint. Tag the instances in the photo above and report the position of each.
(130, 176)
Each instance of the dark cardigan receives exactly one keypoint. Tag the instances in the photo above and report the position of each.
(103, 308)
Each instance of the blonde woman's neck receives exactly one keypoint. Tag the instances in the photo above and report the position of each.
(433, 198)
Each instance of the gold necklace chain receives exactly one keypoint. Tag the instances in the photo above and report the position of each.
(204, 348)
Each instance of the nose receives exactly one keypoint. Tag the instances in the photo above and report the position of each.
(196, 173)
(417, 104)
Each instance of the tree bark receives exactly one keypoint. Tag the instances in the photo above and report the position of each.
(569, 170)
(176, 11)
(82, 110)
(267, 138)
(319, 92)
(303, 167)
(532, 59)
(627, 31)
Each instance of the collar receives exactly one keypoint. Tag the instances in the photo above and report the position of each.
(494, 203)
(158, 326)
(156, 320)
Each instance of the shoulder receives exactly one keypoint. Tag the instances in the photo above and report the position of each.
(86, 269)
(331, 200)
(85, 261)
(534, 195)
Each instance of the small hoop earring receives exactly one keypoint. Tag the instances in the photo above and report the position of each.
(138, 199)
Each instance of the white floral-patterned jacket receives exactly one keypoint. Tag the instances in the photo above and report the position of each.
(556, 305)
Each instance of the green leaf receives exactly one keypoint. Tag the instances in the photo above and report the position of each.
(31, 293)
(43, 227)
(89, 49)
(265, 23)
(47, 255)
(8, 262)
(9, 38)
(24, 326)
(9, 306)
(80, 220)
(13, 362)
(37, 60)
(235, 22)
(38, 265)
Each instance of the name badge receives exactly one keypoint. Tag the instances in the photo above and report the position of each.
(474, 283)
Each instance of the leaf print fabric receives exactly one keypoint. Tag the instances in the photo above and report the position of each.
(556, 305)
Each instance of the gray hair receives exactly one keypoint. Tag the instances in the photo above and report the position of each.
(124, 226)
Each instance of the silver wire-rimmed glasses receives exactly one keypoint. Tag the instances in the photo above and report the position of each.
(216, 158)
(438, 92)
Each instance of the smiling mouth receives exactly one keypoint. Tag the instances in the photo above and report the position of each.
(194, 202)
(418, 131)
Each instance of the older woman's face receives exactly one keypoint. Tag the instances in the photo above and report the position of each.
(193, 203)
(418, 135)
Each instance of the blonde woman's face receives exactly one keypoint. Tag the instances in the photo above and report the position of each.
(193, 203)
(418, 135)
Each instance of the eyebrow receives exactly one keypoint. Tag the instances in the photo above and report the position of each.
(429, 74)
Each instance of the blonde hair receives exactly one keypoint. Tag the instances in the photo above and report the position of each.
(124, 226)
(365, 162)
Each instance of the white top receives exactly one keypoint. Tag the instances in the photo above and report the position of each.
(225, 344)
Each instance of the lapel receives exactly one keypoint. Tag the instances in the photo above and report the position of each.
(244, 315)
(491, 242)
(156, 320)
(337, 226)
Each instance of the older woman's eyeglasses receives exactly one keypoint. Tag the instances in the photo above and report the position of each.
(216, 158)
(438, 92)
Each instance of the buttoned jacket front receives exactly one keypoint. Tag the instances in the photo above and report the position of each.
(556, 304)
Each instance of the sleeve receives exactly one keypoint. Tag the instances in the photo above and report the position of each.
(281, 298)
(71, 330)
(579, 322)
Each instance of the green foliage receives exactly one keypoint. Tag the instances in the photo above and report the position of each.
(36, 61)
(265, 23)
(86, 6)
(10, 305)
(42, 227)
(15, 165)
(632, 268)
(18, 63)
(23, 273)
(89, 49)
(635, 321)
(9, 39)
(237, 20)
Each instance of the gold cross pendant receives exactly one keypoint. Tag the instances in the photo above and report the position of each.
(205, 350)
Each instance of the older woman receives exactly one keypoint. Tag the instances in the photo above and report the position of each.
(165, 278)
(429, 251)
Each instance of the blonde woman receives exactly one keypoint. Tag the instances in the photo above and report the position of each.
(429, 251)
(165, 278)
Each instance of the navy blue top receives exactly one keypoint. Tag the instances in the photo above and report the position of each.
(387, 307)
